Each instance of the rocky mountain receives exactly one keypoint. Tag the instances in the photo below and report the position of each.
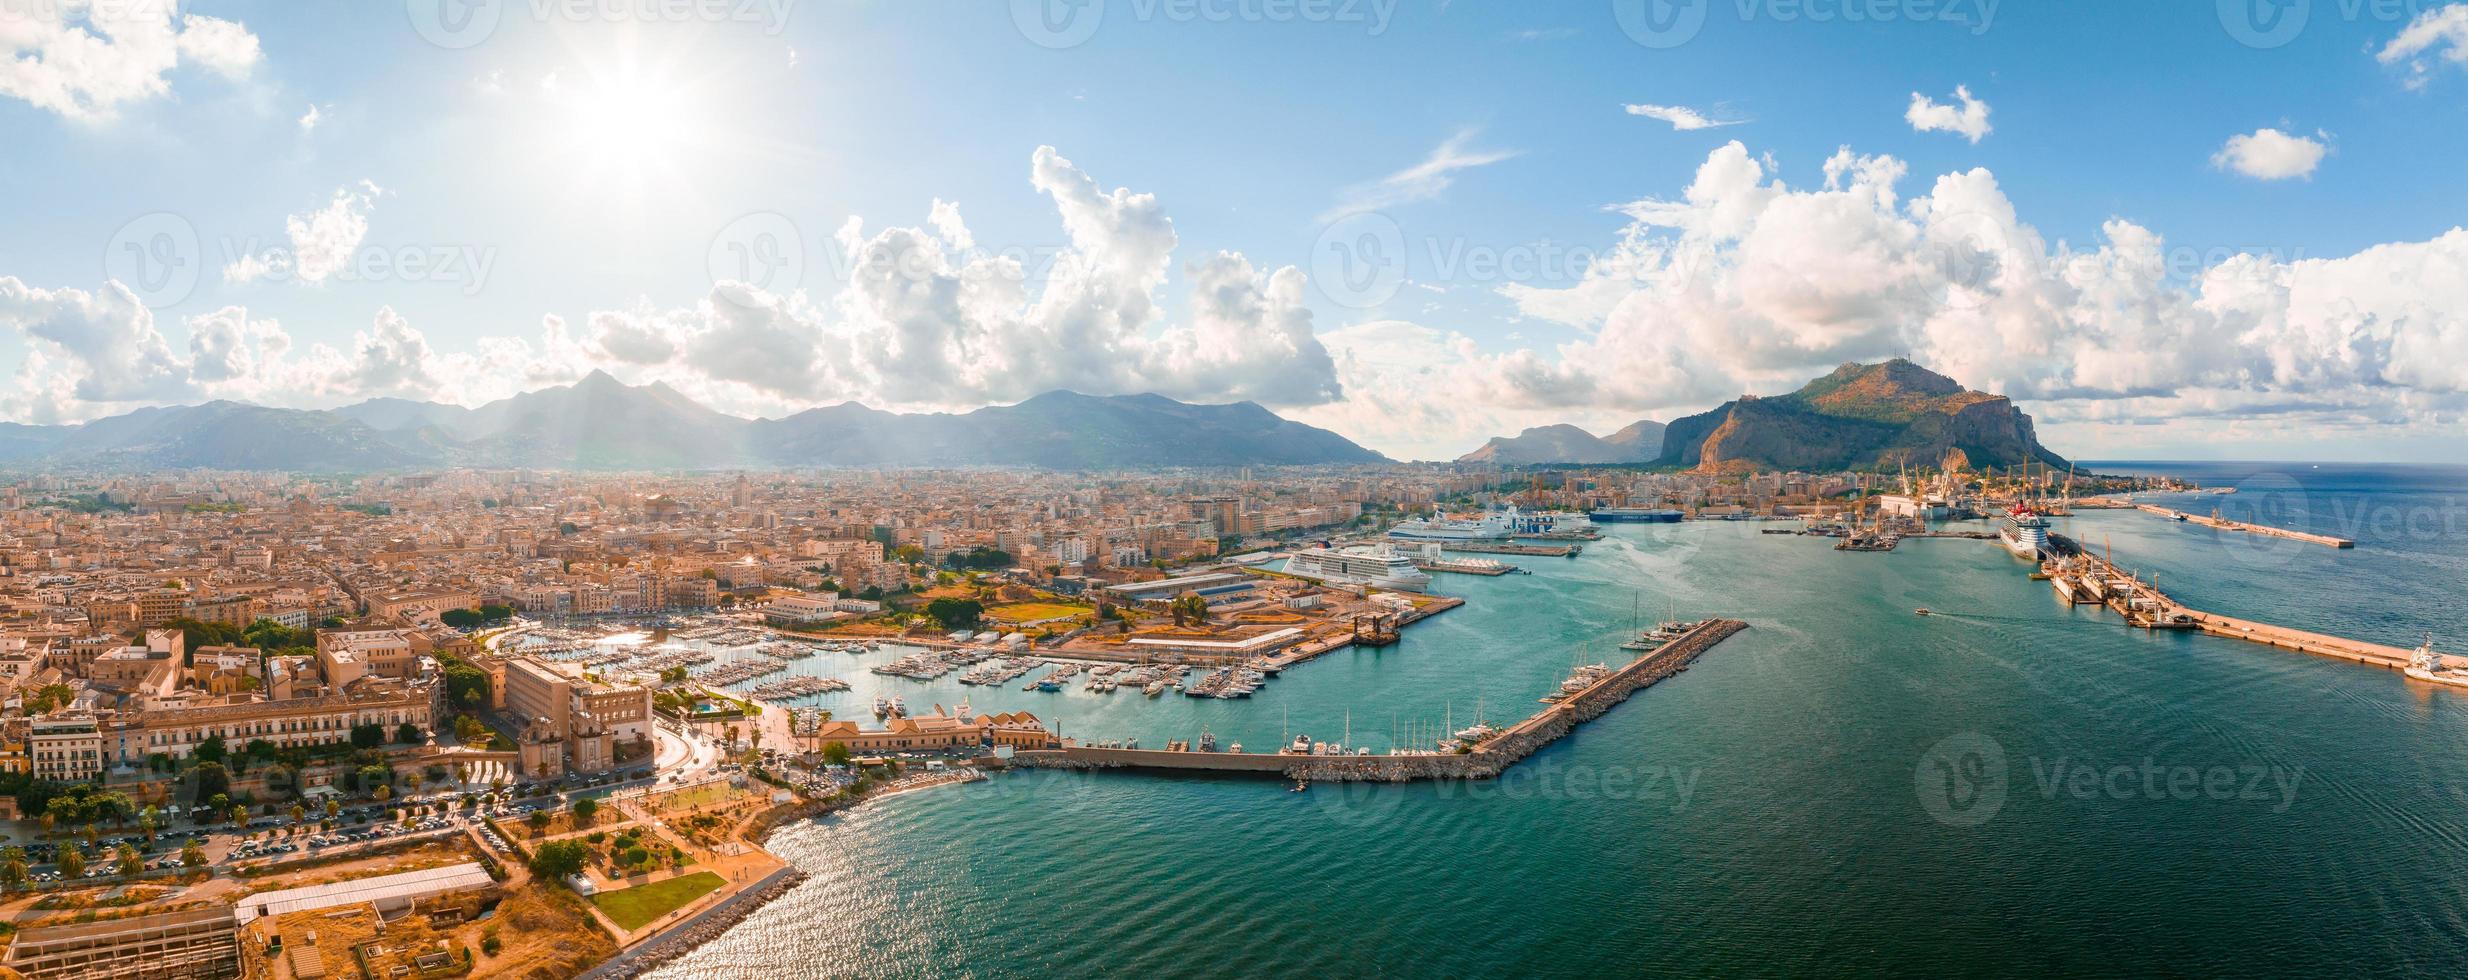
(601, 423)
(1639, 442)
(1861, 415)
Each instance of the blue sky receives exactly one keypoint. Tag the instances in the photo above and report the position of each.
(610, 165)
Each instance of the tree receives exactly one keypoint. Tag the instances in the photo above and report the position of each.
(72, 861)
(461, 619)
(13, 874)
(496, 611)
(836, 753)
(298, 813)
(538, 820)
(407, 734)
(383, 792)
(368, 736)
(130, 864)
(584, 810)
(373, 778)
(557, 859)
(955, 613)
(239, 816)
(212, 781)
(210, 750)
(192, 856)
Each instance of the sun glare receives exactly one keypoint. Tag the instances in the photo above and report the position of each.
(627, 128)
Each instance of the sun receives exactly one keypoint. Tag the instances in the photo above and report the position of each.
(627, 127)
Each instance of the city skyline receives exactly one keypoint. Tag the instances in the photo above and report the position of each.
(764, 208)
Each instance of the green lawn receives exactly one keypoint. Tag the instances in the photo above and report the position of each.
(634, 908)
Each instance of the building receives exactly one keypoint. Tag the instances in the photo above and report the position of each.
(799, 610)
(324, 719)
(931, 733)
(599, 726)
(348, 655)
(197, 943)
(66, 747)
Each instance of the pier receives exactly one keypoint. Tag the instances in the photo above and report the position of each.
(1483, 761)
(1465, 566)
(2088, 579)
(2265, 530)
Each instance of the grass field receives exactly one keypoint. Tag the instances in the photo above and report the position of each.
(1030, 612)
(634, 908)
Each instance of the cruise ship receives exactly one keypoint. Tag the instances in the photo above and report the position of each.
(2025, 533)
(1490, 527)
(1633, 515)
(1377, 565)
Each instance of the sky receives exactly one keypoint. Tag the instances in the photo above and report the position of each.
(2168, 230)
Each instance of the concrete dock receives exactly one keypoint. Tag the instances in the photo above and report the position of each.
(1506, 548)
(2088, 579)
(2265, 530)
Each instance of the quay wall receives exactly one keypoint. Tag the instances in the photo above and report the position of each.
(2262, 529)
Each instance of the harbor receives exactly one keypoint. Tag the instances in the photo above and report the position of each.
(2089, 579)
(1480, 752)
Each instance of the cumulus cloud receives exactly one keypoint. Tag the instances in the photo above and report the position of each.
(308, 120)
(1420, 182)
(1681, 118)
(105, 342)
(322, 241)
(2441, 32)
(2268, 154)
(1746, 284)
(85, 60)
(1965, 116)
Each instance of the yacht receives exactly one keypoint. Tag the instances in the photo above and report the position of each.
(2025, 533)
(882, 707)
(1378, 565)
(2426, 665)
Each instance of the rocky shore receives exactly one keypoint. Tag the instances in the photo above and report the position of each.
(701, 929)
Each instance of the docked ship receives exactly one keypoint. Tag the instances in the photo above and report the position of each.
(1437, 527)
(1633, 515)
(2426, 665)
(1375, 565)
(2025, 533)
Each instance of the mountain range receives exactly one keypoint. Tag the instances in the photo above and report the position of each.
(601, 423)
(1859, 416)
(1639, 442)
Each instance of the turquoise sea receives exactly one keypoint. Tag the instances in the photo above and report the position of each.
(2014, 788)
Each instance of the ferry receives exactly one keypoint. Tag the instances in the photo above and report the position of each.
(1490, 527)
(882, 706)
(1633, 515)
(2025, 533)
(1378, 565)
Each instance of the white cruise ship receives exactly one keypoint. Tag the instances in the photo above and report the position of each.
(2025, 533)
(1491, 527)
(1377, 565)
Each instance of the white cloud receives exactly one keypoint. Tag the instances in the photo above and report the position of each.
(1965, 116)
(323, 241)
(1747, 284)
(2441, 31)
(85, 60)
(308, 121)
(2268, 154)
(1420, 182)
(1681, 118)
(105, 341)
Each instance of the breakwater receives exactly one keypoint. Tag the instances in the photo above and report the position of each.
(705, 926)
(1485, 760)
